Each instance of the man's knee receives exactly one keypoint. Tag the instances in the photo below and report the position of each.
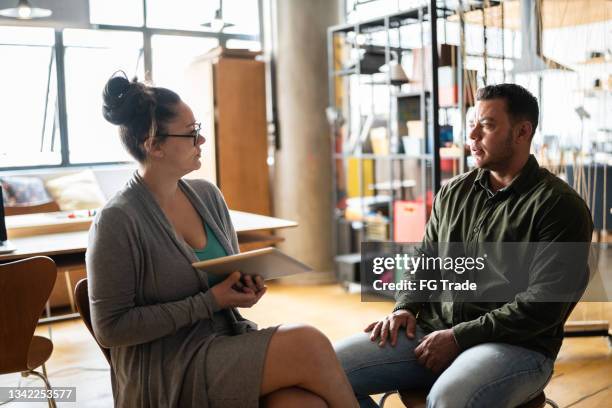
(352, 351)
(452, 391)
(372, 369)
(440, 400)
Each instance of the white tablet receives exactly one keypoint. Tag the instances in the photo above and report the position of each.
(269, 263)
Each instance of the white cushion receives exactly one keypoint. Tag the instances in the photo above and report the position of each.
(79, 191)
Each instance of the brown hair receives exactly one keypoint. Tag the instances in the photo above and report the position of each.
(140, 110)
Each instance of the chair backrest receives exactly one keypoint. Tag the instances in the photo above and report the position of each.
(25, 286)
(81, 296)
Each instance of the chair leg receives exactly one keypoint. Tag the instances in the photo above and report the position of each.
(551, 403)
(48, 311)
(45, 379)
(381, 403)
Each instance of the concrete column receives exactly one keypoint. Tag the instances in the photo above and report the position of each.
(302, 182)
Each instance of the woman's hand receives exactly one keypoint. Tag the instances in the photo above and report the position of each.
(229, 293)
(254, 283)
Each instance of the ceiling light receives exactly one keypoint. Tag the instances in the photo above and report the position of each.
(217, 24)
(24, 11)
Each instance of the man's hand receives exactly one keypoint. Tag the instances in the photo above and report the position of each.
(229, 293)
(390, 325)
(437, 350)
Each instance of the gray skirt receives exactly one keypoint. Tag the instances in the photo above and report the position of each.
(233, 370)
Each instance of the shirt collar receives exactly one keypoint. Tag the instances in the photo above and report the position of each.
(520, 184)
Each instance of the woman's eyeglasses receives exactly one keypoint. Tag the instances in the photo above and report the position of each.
(195, 133)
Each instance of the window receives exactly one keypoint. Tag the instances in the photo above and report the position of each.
(191, 14)
(181, 14)
(51, 79)
(244, 44)
(29, 129)
(172, 56)
(116, 12)
(91, 57)
(359, 10)
(244, 14)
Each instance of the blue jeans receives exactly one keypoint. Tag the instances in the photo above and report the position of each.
(486, 375)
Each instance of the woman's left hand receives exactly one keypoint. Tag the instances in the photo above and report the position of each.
(252, 283)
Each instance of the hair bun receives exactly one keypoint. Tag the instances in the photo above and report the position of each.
(124, 99)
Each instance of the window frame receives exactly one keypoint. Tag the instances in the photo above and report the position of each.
(147, 34)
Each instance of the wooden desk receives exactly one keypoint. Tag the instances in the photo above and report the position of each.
(53, 245)
(46, 235)
(39, 241)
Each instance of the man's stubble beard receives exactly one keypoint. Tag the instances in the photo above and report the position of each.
(494, 164)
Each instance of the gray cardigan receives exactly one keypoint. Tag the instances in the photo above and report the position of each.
(148, 304)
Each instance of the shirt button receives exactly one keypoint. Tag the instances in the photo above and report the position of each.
(475, 229)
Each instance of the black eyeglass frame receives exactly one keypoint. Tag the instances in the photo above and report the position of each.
(195, 134)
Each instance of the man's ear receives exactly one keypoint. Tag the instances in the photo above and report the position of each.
(153, 148)
(523, 130)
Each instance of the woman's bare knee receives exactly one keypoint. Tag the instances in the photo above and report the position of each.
(308, 339)
(301, 356)
(296, 353)
(293, 397)
(311, 349)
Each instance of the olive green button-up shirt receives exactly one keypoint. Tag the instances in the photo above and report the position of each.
(536, 207)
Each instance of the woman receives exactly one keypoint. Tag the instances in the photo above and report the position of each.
(175, 336)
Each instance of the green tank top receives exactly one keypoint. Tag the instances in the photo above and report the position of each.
(212, 250)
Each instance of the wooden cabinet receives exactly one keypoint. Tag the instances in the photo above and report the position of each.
(229, 97)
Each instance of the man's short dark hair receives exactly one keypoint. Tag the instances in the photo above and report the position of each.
(520, 103)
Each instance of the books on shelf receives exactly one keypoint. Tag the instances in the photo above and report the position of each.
(380, 140)
(356, 185)
(358, 208)
(377, 228)
(448, 86)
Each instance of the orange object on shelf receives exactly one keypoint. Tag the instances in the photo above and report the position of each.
(448, 165)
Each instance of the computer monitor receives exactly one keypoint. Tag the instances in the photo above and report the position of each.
(3, 236)
(5, 245)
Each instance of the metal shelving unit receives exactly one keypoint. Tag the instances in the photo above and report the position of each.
(350, 79)
(346, 105)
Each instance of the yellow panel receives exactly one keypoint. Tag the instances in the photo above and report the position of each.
(353, 187)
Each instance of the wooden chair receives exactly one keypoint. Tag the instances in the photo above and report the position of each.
(65, 267)
(416, 399)
(25, 286)
(81, 294)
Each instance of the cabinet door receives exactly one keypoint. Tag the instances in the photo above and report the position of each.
(241, 138)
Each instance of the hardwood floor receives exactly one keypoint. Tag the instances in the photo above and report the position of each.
(582, 373)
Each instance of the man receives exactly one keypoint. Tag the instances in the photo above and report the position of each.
(481, 354)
